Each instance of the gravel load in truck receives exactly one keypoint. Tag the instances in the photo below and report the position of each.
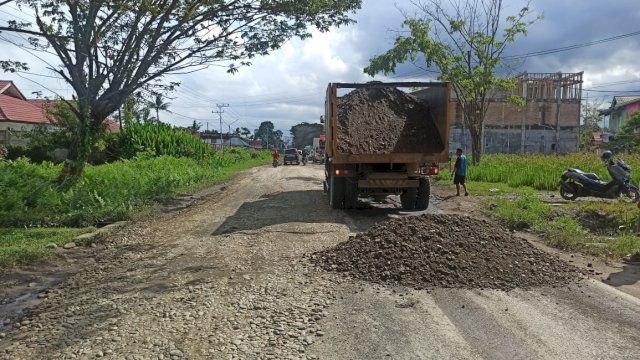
(385, 121)
(450, 251)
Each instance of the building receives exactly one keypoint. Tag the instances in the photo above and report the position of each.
(620, 111)
(19, 114)
(549, 121)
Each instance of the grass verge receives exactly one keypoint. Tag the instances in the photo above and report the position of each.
(591, 227)
(24, 246)
(34, 213)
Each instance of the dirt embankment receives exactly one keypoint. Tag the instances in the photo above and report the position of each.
(448, 251)
(385, 121)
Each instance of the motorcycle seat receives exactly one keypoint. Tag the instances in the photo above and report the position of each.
(591, 176)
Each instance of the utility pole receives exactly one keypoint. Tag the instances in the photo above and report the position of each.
(558, 97)
(525, 84)
(220, 112)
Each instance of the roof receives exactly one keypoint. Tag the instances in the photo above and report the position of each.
(112, 126)
(18, 110)
(619, 102)
(236, 141)
(7, 87)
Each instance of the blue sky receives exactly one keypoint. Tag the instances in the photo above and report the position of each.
(287, 87)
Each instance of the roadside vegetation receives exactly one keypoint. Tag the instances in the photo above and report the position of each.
(522, 192)
(149, 163)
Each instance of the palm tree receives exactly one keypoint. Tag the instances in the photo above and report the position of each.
(159, 105)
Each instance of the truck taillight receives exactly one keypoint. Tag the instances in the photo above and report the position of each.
(342, 172)
(430, 170)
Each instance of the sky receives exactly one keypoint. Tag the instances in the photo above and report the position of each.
(287, 87)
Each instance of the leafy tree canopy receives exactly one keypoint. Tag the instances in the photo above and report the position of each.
(304, 133)
(107, 50)
(465, 41)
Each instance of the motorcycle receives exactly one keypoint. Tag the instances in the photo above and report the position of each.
(304, 159)
(576, 183)
(275, 163)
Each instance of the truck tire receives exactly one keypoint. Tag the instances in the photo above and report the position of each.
(408, 199)
(424, 192)
(336, 192)
(351, 193)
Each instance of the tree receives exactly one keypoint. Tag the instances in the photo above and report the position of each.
(195, 126)
(245, 132)
(44, 139)
(107, 50)
(628, 138)
(269, 136)
(590, 119)
(158, 104)
(304, 133)
(466, 43)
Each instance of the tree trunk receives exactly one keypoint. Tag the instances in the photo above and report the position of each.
(476, 144)
(80, 149)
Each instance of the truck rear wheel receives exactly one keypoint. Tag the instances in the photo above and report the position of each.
(336, 192)
(424, 192)
(351, 193)
(408, 199)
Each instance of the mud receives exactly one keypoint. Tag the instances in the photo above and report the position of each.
(449, 251)
(385, 121)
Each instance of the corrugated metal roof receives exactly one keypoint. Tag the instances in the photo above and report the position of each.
(624, 100)
(13, 109)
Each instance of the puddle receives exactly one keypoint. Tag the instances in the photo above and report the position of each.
(17, 299)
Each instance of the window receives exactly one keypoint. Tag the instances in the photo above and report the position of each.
(3, 137)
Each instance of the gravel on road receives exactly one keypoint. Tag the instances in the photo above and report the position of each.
(441, 250)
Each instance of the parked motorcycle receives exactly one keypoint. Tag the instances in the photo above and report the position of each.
(576, 183)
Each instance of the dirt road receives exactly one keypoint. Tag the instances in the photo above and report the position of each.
(226, 278)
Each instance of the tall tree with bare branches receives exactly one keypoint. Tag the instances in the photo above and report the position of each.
(465, 40)
(109, 49)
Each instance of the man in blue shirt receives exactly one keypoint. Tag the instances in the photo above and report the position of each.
(459, 173)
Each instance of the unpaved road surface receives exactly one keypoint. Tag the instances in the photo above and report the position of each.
(227, 278)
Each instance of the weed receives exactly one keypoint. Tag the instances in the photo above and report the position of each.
(22, 246)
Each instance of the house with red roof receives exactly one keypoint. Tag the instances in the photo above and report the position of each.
(19, 114)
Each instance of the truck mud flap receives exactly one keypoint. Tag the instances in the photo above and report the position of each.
(388, 184)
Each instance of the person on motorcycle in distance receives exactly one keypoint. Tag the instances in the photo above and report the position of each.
(304, 154)
(275, 155)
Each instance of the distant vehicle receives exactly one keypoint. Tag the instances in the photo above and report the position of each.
(291, 156)
(318, 149)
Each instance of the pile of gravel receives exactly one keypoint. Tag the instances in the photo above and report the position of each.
(385, 121)
(448, 251)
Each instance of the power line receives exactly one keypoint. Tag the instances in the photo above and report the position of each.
(572, 47)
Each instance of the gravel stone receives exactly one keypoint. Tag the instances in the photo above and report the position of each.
(384, 121)
(450, 251)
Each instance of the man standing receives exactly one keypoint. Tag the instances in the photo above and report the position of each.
(459, 173)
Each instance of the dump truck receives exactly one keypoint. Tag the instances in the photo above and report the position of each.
(318, 149)
(383, 141)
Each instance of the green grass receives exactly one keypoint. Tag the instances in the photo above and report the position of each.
(23, 246)
(561, 226)
(108, 192)
(540, 172)
(34, 213)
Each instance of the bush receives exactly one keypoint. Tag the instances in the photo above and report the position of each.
(156, 139)
(108, 192)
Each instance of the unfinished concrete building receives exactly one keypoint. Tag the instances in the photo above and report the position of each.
(548, 123)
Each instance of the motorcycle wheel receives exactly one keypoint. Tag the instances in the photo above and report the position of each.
(632, 196)
(567, 195)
